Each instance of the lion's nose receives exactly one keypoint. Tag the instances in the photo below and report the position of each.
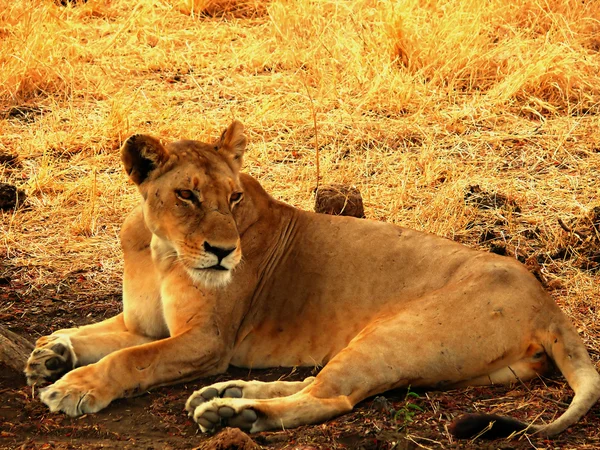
(218, 251)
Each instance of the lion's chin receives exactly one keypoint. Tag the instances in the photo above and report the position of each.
(211, 278)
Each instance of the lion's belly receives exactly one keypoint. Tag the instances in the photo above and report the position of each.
(289, 345)
(254, 354)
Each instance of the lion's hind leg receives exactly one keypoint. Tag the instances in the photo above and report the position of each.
(372, 363)
(245, 389)
(399, 350)
(356, 372)
(535, 362)
(256, 415)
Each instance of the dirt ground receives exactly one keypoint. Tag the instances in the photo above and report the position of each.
(156, 420)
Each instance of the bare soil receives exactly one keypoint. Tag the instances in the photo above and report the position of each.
(156, 420)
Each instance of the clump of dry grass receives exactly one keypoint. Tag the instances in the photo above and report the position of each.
(414, 102)
(242, 9)
(531, 52)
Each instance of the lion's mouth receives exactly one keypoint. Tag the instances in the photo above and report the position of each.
(213, 276)
(216, 267)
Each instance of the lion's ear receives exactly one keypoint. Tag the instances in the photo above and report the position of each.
(141, 154)
(233, 144)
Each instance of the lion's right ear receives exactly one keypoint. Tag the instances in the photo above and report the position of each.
(141, 154)
(232, 144)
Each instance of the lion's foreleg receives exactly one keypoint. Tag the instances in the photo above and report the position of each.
(92, 348)
(63, 350)
(133, 370)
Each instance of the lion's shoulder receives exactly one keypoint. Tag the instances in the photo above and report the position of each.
(135, 235)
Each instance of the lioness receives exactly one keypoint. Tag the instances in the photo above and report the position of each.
(218, 273)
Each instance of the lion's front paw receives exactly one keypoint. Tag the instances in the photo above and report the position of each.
(226, 389)
(79, 392)
(222, 412)
(52, 357)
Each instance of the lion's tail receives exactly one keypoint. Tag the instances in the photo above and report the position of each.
(563, 345)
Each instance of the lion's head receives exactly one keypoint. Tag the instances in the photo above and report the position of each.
(189, 191)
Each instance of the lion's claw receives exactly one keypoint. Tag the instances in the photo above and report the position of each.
(52, 357)
(226, 389)
(222, 412)
(79, 392)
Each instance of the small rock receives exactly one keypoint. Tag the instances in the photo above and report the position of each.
(339, 200)
(23, 113)
(10, 196)
(14, 351)
(9, 160)
(583, 241)
(229, 439)
(554, 285)
(595, 217)
(70, 2)
(382, 405)
(481, 199)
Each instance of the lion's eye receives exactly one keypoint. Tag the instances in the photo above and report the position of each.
(184, 194)
(236, 197)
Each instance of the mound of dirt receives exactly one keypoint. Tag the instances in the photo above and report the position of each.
(582, 241)
(476, 196)
(339, 200)
(10, 196)
(229, 439)
(9, 160)
(23, 113)
(512, 235)
(493, 230)
(14, 351)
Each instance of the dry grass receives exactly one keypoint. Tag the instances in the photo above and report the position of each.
(414, 100)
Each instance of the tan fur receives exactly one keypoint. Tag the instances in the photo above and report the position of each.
(379, 306)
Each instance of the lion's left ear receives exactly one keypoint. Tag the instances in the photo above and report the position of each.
(232, 144)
